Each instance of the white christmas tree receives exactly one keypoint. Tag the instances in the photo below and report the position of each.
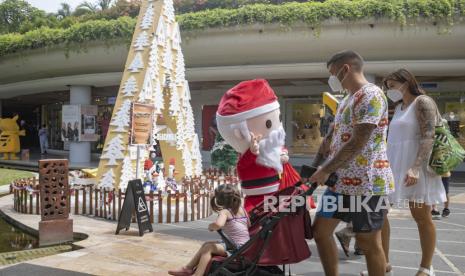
(180, 69)
(147, 20)
(180, 131)
(137, 63)
(161, 32)
(176, 37)
(114, 151)
(107, 180)
(190, 123)
(130, 87)
(174, 101)
(168, 58)
(127, 173)
(142, 41)
(122, 117)
(158, 100)
(168, 10)
(146, 94)
(197, 155)
(153, 139)
(153, 57)
(186, 93)
(187, 159)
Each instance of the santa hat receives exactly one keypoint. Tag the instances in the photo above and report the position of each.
(246, 100)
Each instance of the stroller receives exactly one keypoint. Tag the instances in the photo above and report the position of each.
(276, 237)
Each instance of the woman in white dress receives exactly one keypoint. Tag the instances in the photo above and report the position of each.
(410, 142)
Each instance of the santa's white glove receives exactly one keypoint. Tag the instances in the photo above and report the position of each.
(284, 157)
(254, 146)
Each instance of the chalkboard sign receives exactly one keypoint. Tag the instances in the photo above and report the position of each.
(134, 200)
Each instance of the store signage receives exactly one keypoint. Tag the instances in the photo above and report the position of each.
(142, 122)
(134, 201)
(79, 124)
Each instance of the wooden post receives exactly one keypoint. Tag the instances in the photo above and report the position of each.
(160, 207)
(37, 203)
(30, 204)
(84, 199)
(185, 206)
(76, 201)
(114, 204)
(91, 191)
(192, 207)
(25, 201)
(198, 205)
(96, 202)
(119, 201)
(168, 208)
(105, 203)
(151, 207)
(100, 207)
(176, 208)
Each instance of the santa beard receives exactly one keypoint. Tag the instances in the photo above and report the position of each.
(271, 148)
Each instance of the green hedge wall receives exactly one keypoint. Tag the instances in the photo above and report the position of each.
(311, 13)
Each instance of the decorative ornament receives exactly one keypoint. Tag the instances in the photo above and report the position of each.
(158, 100)
(168, 58)
(146, 94)
(127, 173)
(137, 64)
(176, 37)
(142, 41)
(107, 180)
(113, 151)
(147, 20)
(180, 131)
(122, 117)
(174, 101)
(180, 69)
(187, 160)
(197, 156)
(161, 32)
(130, 87)
(168, 10)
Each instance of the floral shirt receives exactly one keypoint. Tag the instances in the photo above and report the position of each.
(369, 172)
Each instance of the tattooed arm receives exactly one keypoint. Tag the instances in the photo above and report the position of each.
(323, 151)
(426, 116)
(360, 136)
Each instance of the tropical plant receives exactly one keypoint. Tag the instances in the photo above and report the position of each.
(65, 10)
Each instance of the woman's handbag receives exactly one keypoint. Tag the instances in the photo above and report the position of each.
(447, 153)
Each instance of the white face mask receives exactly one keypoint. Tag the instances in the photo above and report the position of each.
(395, 94)
(334, 83)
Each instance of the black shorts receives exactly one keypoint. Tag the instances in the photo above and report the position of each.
(364, 220)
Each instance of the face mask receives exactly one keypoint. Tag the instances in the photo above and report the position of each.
(395, 94)
(334, 83)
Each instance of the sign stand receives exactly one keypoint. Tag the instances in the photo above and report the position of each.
(134, 201)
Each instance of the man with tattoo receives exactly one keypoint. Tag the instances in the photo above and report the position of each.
(410, 142)
(357, 154)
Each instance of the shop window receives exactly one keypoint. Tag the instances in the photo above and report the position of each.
(306, 124)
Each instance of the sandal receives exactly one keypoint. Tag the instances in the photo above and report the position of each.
(427, 271)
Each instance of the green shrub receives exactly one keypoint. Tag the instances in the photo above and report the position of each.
(311, 13)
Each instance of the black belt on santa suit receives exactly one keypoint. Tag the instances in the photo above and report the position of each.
(260, 182)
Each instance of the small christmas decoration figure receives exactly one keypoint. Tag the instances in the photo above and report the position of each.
(158, 100)
(168, 10)
(174, 101)
(137, 63)
(180, 69)
(114, 151)
(122, 117)
(161, 32)
(248, 120)
(146, 94)
(130, 87)
(170, 181)
(9, 138)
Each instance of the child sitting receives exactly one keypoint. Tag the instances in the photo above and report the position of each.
(232, 219)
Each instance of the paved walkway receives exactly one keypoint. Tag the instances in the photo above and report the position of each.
(172, 244)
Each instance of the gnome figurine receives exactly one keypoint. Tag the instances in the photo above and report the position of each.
(248, 119)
